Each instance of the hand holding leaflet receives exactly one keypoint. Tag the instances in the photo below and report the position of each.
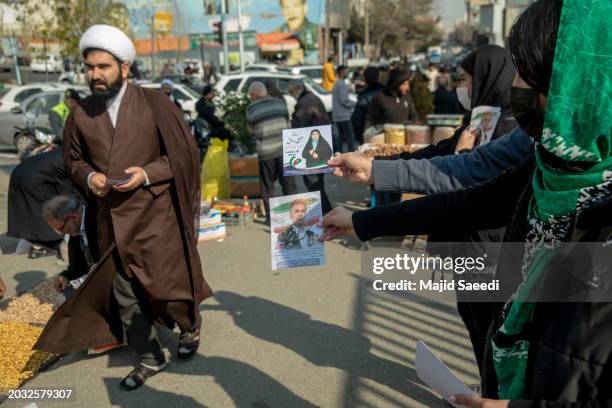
(437, 375)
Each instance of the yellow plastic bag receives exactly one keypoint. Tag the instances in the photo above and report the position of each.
(214, 181)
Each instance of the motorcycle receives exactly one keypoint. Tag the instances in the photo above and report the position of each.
(200, 129)
(33, 140)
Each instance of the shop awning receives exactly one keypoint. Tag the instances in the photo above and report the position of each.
(277, 42)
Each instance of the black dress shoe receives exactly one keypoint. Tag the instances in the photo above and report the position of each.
(37, 252)
(139, 375)
(189, 341)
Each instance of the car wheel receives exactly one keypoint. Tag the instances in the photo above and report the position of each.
(24, 142)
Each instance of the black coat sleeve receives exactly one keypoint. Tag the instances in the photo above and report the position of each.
(484, 206)
(302, 117)
(373, 113)
(207, 113)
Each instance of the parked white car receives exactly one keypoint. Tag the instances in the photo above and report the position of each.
(49, 63)
(262, 67)
(17, 94)
(186, 96)
(241, 83)
(314, 72)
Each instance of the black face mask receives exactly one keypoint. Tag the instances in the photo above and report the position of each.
(527, 112)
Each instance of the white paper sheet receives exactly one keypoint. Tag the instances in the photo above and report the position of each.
(433, 372)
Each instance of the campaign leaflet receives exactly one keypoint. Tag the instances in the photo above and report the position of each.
(307, 150)
(295, 229)
(484, 121)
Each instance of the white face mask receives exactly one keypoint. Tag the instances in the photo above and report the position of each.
(464, 98)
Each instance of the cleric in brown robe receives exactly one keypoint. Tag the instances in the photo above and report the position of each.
(148, 268)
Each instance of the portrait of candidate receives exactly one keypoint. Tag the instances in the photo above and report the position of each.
(298, 235)
(295, 14)
(317, 151)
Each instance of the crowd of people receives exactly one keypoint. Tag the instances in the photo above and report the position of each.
(553, 185)
(544, 178)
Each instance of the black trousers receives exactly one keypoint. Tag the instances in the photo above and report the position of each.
(270, 171)
(316, 182)
(137, 317)
(346, 135)
(477, 317)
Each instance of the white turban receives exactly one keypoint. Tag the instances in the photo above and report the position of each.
(110, 39)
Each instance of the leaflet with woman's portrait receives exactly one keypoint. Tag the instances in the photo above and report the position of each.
(307, 150)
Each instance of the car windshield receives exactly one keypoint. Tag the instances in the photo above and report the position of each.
(317, 88)
(190, 91)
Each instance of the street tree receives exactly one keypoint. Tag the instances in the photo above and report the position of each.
(395, 26)
(67, 20)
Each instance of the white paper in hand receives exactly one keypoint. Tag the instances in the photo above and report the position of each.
(437, 375)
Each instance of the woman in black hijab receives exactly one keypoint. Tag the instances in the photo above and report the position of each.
(487, 76)
(486, 79)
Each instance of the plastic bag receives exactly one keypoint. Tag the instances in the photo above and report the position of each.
(214, 181)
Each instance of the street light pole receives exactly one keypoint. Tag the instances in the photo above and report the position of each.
(240, 38)
(327, 33)
(224, 35)
(367, 28)
(16, 60)
(153, 59)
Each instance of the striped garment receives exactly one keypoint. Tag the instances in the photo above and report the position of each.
(266, 119)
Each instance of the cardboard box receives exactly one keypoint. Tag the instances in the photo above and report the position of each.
(244, 166)
(249, 186)
(212, 233)
(211, 218)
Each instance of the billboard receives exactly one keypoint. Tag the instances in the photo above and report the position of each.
(301, 17)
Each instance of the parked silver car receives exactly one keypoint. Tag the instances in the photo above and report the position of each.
(33, 111)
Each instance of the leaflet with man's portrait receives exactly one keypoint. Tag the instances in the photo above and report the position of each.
(484, 121)
(307, 150)
(295, 230)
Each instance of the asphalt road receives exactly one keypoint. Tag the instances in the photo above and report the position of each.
(306, 337)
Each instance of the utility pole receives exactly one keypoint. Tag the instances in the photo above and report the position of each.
(327, 33)
(16, 60)
(340, 48)
(153, 58)
(224, 34)
(240, 37)
(45, 56)
(367, 28)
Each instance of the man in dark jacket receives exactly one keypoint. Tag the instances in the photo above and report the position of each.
(66, 215)
(310, 111)
(206, 111)
(394, 105)
(364, 98)
(266, 118)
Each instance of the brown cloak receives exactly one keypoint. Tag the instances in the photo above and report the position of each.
(152, 227)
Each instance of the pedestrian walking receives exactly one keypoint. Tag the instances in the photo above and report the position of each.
(342, 109)
(145, 201)
(267, 117)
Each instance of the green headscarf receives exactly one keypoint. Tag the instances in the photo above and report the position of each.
(578, 124)
(577, 128)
